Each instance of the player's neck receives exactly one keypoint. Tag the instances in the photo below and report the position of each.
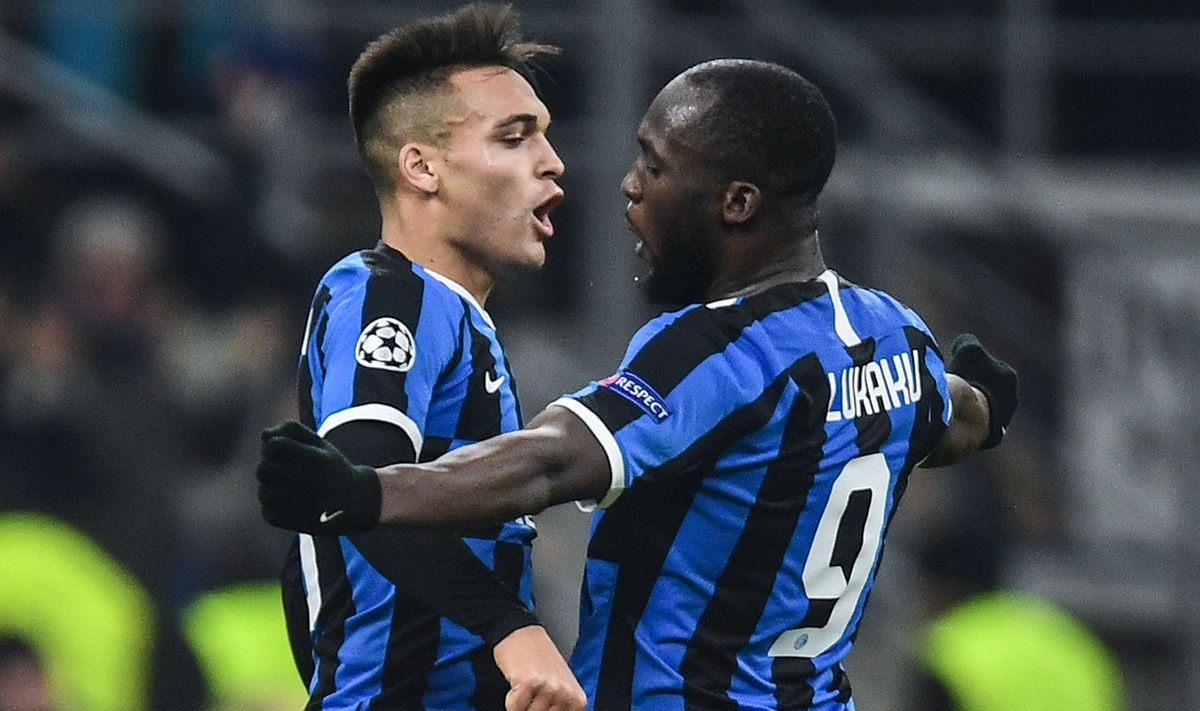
(425, 246)
(759, 270)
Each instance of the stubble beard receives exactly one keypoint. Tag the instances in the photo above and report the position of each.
(677, 280)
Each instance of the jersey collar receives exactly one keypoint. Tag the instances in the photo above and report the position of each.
(462, 291)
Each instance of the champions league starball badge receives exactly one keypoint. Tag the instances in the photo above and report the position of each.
(387, 344)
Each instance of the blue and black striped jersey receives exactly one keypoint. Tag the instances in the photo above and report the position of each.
(758, 447)
(389, 343)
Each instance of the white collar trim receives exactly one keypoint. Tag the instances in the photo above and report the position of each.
(462, 291)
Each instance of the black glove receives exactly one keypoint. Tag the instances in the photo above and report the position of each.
(306, 484)
(993, 377)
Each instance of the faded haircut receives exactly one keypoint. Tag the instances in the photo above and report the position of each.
(399, 87)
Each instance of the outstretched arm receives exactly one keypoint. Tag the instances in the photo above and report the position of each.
(983, 395)
(968, 426)
(306, 484)
(555, 459)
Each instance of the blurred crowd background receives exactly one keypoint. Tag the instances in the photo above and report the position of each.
(175, 176)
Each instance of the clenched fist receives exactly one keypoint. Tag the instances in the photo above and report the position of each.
(306, 484)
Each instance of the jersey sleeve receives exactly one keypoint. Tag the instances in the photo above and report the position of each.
(678, 381)
(383, 351)
(935, 409)
(942, 411)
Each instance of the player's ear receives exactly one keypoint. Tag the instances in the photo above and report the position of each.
(741, 202)
(414, 164)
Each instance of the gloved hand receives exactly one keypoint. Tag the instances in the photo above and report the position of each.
(306, 484)
(993, 377)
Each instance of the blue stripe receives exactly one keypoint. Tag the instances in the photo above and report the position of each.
(359, 672)
(335, 391)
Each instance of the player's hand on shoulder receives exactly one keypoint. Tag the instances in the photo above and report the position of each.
(539, 676)
(993, 377)
(306, 484)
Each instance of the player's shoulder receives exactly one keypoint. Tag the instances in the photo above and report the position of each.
(722, 321)
(665, 322)
(381, 290)
(386, 279)
(700, 329)
(880, 308)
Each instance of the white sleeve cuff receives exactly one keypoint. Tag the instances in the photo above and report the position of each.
(616, 463)
(377, 412)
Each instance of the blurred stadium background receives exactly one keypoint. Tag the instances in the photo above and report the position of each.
(175, 175)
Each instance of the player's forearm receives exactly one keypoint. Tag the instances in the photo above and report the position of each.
(492, 481)
(556, 459)
(968, 426)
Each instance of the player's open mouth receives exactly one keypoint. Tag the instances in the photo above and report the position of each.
(630, 226)
(541, 213)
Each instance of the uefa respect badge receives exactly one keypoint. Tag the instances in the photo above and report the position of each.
(637, 391)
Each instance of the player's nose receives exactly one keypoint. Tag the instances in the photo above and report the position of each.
(630, 187)
(552, 166)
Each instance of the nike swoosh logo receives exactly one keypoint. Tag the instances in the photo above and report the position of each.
(492, 385)
(326, 517)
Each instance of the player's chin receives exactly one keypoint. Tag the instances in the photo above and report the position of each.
(531, 256)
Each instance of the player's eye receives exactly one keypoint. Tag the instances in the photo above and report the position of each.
(647, 165)
(512, 141)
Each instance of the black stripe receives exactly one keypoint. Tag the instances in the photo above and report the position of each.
(295, 612)
(337, 605)
(638, 530)
(745, 585)
(873, 430)
(841, 684)
(489, 533)
(792, 690)
(480, 415)
(928, 427)
(410, 655)
(304, 392)
(510, 563)
(667, 358)
(512, 386)
(392, 290)
(321, 327)
(849, 541)
(459, 343)
(434, 447)
(490, 685)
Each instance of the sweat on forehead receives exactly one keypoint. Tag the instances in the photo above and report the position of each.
(681, 103)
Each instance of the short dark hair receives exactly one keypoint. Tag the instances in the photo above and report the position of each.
(395, 83)
(766, 124)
